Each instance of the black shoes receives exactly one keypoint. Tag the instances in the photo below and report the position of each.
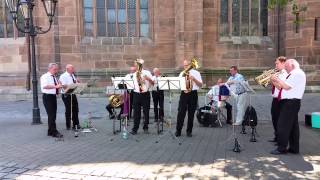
(133, 132)
(177, 134)
(292, 151)
(146, 131)
(56, 135)
(272, 140)
(277, 152)
(189, 134)
(229, 122)
(112, 116)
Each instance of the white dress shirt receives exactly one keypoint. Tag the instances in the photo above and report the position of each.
(297, 82)
(283, 75)
(47, 79)
(196, 74)
(237, 85)
(67, 79)
(145, 85)
(214, 92)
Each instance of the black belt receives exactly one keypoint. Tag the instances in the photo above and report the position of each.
(49, 94)
(240, 93)
(293, 99)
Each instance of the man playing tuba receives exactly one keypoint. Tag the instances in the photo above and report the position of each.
(189, 98)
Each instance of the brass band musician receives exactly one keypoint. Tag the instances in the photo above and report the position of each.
(141, 98)
(188, 99)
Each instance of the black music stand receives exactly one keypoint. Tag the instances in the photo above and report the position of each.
(122, 83)
(169, 83)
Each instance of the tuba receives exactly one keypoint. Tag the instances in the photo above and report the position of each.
(185, 73)
(265, 78)
(116, 100)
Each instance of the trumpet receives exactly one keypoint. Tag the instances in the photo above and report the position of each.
(265, 78)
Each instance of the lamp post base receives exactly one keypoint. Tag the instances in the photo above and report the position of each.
(36, 119)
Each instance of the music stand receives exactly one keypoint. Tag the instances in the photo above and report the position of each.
(123, 83)
(76, 88)
(170, 83)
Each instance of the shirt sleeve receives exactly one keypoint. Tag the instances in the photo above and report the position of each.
(43, 81)
(199, 78)
(62, 79)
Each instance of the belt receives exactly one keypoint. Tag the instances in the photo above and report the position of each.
(240, 93)
(49, 94)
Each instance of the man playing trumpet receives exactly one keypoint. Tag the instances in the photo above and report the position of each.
(275, 106)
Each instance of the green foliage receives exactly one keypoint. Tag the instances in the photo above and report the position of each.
(281, 3)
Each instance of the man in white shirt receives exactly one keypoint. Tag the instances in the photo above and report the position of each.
(235, 82)
(275, 106)
(157, 97)
(50, 89)
(142, 82)
(291, 91)
(70, 100)
(215, 96)
(188, 100)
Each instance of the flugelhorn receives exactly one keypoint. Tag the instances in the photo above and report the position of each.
(265, 78)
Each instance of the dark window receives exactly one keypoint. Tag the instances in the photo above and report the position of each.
(243, 17)
(7, 28)
(317, 29)
(116, 18)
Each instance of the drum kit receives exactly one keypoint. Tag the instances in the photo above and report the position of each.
(211, 113)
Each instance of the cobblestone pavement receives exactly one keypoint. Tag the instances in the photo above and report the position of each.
(27, 153)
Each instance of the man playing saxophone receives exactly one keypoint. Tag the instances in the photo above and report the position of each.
(275, 106)
(141, 98)
(188, 99)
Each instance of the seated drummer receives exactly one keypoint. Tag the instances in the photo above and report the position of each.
(215, 97)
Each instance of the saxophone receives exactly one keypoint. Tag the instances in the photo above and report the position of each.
(193, 65)
(139, 75)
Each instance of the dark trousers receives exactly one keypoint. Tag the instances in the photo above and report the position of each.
(288, 126)
(275, 110)
(50, 104)
(158, 98)
(66, 98)
(141, 100)
(131, 103)
(188, 102)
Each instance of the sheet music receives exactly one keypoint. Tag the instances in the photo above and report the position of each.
(128, 82)
(174, 83)
(75, 88)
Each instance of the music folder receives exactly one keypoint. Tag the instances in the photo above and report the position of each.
(75, 88)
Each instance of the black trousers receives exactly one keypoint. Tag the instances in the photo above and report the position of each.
(158, 98)
(141, 100)
(50, 104)
(66, 98)
(131, 103)
(288, 126)
(188, 102)
(275, 110)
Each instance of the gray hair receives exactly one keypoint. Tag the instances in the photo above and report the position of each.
(294, 63)
(51, 65)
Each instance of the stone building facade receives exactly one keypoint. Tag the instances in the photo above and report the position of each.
(104, 37)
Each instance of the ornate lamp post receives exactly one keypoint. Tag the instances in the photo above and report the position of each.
(25, 7)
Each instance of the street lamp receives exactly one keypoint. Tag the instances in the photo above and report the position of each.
(25, 7)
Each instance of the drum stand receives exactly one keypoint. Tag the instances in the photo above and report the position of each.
(169, 132)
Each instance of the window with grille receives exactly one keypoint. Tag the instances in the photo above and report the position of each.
(317, 29)
(243, 17)
(116, 18)
(7, 28)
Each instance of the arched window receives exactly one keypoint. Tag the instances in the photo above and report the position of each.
(243, 17)
(7, 29)
(116, 18)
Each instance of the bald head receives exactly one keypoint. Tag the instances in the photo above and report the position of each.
(133, 69)
(70, 68)
(156, 72)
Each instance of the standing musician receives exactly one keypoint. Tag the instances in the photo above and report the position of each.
(188, 100)
(141, 97)
(235, 82)
(68, 78)
(291, 91)
(275, 106)
(50, 89)
(215, 97)
(157, 96)
(130, 76)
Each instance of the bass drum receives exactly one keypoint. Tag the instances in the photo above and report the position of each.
(205, 117)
